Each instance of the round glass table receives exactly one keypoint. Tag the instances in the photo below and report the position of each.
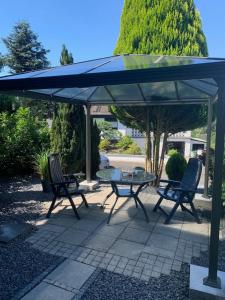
(117, 177)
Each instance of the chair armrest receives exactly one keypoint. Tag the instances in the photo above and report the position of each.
(169, 181)
(182, 190)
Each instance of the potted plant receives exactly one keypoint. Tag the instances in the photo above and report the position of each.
(42, 168)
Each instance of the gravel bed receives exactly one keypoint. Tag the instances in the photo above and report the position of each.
(108, 285)
(21, 201)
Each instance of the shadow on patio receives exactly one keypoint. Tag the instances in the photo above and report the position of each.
(128, 245)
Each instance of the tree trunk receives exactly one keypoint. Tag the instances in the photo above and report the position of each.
(161, 163)
(156, 152)
(148, 161)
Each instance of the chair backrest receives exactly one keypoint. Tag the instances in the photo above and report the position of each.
(192, 175)
(55, 170)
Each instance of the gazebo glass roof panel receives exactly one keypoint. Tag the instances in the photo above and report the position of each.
(123, 79)
(187, 92)
(69, 92)
(100, 95)
(163, 90)
(202, 86)
(134, 62)
(73, 69)
(125, 92)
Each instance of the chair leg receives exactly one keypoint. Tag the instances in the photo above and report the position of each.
(106, 198)
(195, 214)
(110, 214)
(182, 207)
(172, 213)
(158, 204)
(73, 206)
(51, 207)
(143, 208)
(84, 199)
(136, 203)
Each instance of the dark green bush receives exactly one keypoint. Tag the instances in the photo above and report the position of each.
(21, 138)
(175, 166)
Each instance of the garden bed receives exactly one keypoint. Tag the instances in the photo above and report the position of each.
(20, 264)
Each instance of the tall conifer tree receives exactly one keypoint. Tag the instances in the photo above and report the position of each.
(25, 52)
(171, 27)
(68, 132)
(68, 129)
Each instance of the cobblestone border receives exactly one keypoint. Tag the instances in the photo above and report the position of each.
(37, 280)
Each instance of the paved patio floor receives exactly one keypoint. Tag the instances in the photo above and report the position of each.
(128, 245)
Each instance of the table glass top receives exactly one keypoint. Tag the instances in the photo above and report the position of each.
(117, 175)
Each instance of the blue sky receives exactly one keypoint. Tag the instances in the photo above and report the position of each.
(90, 28)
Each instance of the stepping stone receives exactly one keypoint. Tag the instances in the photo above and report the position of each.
(46, 291)
(9, 231)
(71, 273)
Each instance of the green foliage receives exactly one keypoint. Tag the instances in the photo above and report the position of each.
(171, 152)
(127, 146)
(175, 166)
(21, 138)
(66, 57)
(104, 145)
(107, 132)
(8, 103)
(26, 53)
(41, 163)
(124, 143)
(133, 149)
(95, 156)
(170, 27)
(68, 136)
(68, 130)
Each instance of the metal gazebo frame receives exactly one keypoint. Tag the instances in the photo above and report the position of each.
(138, 80)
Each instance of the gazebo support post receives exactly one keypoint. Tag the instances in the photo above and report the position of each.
(212, 279)
(209, 129)
(148, 140)
(88, 143)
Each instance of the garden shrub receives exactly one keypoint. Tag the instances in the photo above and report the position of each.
(104, 145)
(124, 143)
(21, 138)
(133, 149)
(171, 152)
(176, 166)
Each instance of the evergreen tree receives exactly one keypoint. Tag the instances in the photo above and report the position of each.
(66, 57)
(68, 132)
(25, 52)
(68, 129)
(171, 27)
(95, 141)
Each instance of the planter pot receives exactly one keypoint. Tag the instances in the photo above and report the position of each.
(45, 186)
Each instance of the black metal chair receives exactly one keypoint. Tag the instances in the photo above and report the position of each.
(181, 192)
(63, 185)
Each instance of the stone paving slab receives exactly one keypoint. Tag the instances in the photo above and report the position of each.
(70, 275)
(128, 245)
(47, 291)
(126, 248)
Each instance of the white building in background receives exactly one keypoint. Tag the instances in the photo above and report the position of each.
(182, 141)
